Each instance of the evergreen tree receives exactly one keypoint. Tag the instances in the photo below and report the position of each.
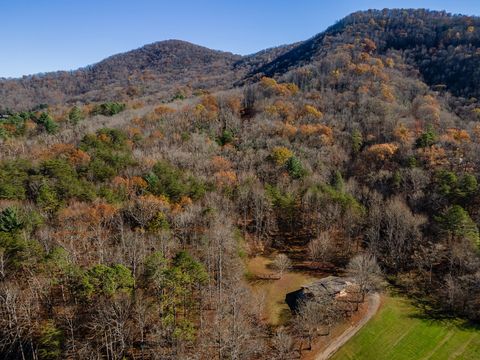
(75, 115)
(357, 141)
(48, 123)
(427, 138)
(457, 223)
(295, 168)
(337, 181)
(9, 221)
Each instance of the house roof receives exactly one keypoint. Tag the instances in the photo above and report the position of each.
(331, 285)
(344, 289)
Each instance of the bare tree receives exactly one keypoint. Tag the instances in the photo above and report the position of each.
(3, 263)
(393, 230)
(321, 248)
(111, 326)
(366, 272)
(315, 317)
(283, 344)
(17, 312)
(282, 263)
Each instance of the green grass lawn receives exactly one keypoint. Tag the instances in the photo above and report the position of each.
(399, 331)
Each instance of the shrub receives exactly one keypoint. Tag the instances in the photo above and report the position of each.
(282, 263)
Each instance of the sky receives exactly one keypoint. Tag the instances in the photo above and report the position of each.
(48, 35)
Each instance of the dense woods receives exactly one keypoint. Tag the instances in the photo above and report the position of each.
(125, 225)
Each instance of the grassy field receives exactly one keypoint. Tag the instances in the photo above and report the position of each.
(400, 332)
(274, 291)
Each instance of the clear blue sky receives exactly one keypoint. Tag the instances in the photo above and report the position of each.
(46, 35)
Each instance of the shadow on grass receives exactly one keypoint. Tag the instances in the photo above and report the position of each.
(425, 310)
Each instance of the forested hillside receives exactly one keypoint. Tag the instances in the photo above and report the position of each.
(165, 70)
(125, 225)
(444, 48)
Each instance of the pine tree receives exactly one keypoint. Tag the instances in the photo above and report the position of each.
(75, 115)
(9, 221)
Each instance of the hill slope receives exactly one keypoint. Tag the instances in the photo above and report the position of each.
(159, 67)
(444, 47)
(152, 68)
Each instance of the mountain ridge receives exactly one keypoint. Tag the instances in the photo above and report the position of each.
(428, 40)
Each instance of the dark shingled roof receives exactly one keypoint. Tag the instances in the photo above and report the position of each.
(329, 286)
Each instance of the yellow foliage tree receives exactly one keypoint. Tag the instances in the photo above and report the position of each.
(389, 62)
(403, 134)
(281, 154)
(311, 111)
(387, 93)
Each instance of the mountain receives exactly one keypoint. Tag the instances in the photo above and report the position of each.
(159, 67)
(443, 47)
(151, 68)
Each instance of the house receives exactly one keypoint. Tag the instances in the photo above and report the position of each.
(336, 287)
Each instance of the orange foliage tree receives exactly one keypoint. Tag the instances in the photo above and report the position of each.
(382, 152)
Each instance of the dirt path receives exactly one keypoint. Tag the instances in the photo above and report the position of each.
(373, 305)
